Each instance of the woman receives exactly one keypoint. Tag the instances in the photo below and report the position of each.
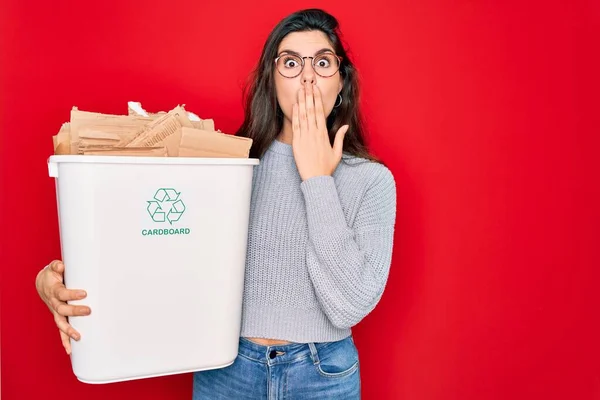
(321, 226)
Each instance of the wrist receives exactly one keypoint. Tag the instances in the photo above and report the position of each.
(315, 174)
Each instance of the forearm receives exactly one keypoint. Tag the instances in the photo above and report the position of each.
(348, 266)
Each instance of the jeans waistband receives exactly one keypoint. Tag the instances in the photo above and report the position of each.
(279, 354)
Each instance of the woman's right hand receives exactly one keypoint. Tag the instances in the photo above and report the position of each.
(50, 287)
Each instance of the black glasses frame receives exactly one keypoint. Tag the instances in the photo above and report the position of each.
(312, 62)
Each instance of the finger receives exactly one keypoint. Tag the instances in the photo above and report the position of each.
(295, 123)
(310, 106)
(302, 111)
(319, 111)
(67, 310)
(65, 327)
(64, 294)
(338, 144)
(57, 266)
(73, 311)
(66, 342)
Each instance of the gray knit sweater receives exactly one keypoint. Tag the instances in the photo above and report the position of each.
(319, 251)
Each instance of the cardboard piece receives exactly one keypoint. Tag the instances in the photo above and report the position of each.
(135, 108)
(163, 131)
(86, 119)
(104, 136)
(201, 143)
(205, 124)
(177, 133)
(129, 151)
(62, 140)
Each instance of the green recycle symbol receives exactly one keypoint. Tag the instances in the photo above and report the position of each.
(166, 206)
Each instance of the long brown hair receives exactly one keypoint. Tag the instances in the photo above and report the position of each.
(263, 118)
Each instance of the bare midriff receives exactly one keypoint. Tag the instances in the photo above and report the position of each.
(268, 342)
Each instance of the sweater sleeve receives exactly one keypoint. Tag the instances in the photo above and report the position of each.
(349, 266)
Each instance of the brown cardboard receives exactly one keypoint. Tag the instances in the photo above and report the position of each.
(83, 119)
(201, 143)
(163, 131)
(205, 124)
(178, 133)
(62, 140)
(128, 151)
(104, 135)
(135, 108)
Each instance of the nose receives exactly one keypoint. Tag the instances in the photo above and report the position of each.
(308, 73)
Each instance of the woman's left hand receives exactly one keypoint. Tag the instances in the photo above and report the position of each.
(313, 152)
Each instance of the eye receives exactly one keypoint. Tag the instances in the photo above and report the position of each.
(291, 62)
(325, 61)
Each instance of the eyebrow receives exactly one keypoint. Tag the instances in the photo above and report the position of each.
(323, 50)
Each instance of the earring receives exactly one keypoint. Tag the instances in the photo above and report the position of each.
(336, 103)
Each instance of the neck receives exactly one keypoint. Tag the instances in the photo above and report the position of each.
(286, 134)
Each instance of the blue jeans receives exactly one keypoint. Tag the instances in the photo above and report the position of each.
(295, 371)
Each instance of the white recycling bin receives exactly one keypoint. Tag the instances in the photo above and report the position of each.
(159, 244)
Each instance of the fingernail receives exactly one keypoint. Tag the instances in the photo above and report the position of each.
(81, 293)
(75, 336)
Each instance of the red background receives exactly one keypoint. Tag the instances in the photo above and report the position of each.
(486, 112)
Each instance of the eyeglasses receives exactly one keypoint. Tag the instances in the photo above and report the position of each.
(324, 65)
